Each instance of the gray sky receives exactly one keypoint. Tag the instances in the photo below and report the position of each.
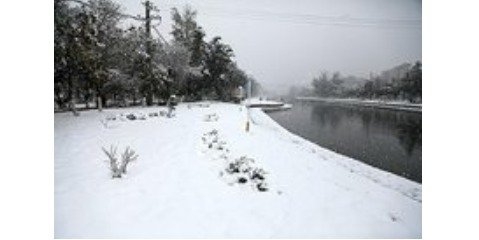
(285, 42)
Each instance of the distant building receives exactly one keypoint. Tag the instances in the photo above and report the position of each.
(238, 94)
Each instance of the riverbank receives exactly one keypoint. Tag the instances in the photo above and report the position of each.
(267, 105)
(386, 139)
(181, 185)
(394, 105)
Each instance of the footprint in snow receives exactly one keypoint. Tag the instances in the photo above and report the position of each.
(393, 217)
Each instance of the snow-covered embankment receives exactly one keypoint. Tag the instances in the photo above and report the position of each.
(181, 187)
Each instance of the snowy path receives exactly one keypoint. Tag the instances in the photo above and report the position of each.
(174, 189)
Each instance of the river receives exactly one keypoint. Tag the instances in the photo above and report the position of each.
(387, 139)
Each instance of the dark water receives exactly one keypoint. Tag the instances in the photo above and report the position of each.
(387, 139)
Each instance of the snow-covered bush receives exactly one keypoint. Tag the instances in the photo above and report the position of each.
(127, 157)
(119, 167)
(211, 117)
(212, 141)
(262, 186)
(153, 114)
(244, 172)
(110, 117)
(240, 165)
(131, 116)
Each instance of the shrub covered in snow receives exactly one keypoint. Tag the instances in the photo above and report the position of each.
(153, 114)
(213, 117)
(244, 171)
(119, 167)
(131, 116)
(241, 170)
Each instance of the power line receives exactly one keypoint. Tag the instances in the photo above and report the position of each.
(298, 18)
(312, 19)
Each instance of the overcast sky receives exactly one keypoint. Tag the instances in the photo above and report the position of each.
(285, 42)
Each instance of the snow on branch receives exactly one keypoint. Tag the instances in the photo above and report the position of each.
(119, 167)
(127, 157)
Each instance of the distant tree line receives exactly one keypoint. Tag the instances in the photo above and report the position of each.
(403, 82)
(97, 60)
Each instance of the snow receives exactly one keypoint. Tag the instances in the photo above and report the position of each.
(178, 186)
(357, 100)
(385, 104)
(262, 102)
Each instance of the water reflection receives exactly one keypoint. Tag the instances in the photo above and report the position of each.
(410, 134)
(407, 126)
(391, 140)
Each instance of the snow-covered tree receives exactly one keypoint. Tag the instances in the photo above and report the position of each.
(105, 49)
(188, 33)
(86, 34)
(234, 78)
(96, 57)
(64, 48)
(218, 57)
(175, 58)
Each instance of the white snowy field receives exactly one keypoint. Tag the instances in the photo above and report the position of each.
(178, 187)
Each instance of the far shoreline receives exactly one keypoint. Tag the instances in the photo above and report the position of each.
(374, 103)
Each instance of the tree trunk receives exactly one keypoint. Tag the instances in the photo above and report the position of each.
(73, 107)
(99, 103)
(149, 99)
(103, 101)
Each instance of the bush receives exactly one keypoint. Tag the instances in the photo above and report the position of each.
(119, 167)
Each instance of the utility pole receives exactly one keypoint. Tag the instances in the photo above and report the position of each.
(148, 28)
(149, 80)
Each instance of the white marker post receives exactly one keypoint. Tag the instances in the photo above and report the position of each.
(248, 96)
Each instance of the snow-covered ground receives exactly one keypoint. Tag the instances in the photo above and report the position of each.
(179, 185)
(261, 102)
(267, 105)
(390, 104)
